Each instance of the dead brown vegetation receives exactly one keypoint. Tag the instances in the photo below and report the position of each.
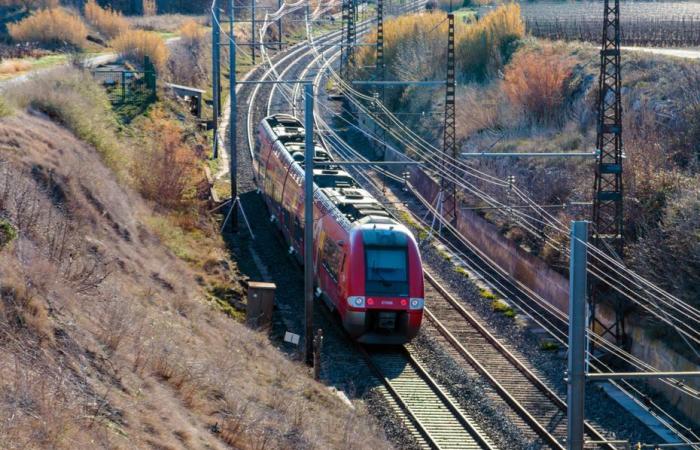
(52, 26)
(535, 83)
(10, 66)
(134, 45)
(166, 169)
(108, 339)
(108, 22)
(190, 58)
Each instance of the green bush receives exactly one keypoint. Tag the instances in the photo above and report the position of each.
(488, 295)
(5, 108)
(8, 233)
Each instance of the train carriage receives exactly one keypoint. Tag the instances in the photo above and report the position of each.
(366, 264)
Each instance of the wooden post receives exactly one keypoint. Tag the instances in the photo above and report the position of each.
(318, 344)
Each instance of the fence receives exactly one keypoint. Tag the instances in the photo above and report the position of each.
(669, 32)
(128, 86)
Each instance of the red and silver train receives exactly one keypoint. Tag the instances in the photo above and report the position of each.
(366, 264)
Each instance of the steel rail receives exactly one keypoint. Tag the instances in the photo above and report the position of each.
(518, 408)
(522, 368)
(402, 389)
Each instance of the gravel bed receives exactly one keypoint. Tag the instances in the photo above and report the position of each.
(342, 367)
(469, 391)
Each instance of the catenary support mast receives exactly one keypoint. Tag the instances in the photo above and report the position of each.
(449, 141)
(608, 219)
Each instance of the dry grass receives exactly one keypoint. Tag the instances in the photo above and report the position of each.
(107, 339)
(134, 45)
(413, 43)
(192, 31)
(535, 83)
(50, 27)
(74, 99)
(10, 66)
(164, 22)
(484, 47)
(108, 22)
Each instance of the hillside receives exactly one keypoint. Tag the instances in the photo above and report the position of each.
(107, 338)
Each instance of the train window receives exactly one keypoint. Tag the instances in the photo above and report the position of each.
(386, 271)
(332, 255)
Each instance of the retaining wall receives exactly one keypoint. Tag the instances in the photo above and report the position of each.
(554, 287)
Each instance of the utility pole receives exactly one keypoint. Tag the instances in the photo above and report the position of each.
(576, 376)
(252, 29)
(215, 74)
(279, 27)
(309, 152)
(233, 122)
(449, 140)
(608, 219)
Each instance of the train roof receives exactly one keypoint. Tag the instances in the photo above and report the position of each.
(338, 186)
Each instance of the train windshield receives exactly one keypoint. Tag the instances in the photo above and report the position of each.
(386, 271)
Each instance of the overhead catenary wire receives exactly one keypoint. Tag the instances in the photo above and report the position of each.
(618, 351)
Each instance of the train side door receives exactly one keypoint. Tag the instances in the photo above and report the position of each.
(331, 261)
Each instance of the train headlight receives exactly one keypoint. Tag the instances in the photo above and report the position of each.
(416, 303)
(356, 301)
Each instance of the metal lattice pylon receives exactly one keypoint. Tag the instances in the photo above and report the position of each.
(608, 220)
(380, 72)
(349, 38)
(449, 141)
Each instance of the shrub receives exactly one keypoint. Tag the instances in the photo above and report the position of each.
(668, 255)
(165, 171)
(535, 82)
(7, 233)
(50, 27)
(10, 66)
(108, 22)
(190, 61)
(72, 98)
(134, 45)
(482, 48)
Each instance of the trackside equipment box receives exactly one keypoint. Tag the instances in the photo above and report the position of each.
(261, 299)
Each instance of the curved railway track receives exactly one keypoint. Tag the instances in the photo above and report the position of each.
(430, 413)
(534, 407)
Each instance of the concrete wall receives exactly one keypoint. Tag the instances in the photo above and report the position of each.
(529, 270)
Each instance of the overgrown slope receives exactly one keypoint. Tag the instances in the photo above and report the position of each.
(108, 339)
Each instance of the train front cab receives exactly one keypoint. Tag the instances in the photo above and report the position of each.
(384, 303)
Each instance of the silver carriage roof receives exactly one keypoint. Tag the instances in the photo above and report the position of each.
(336, 189)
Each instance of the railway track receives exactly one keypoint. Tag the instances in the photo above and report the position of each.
(433, 416)
(530, 404)
(533, 406)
